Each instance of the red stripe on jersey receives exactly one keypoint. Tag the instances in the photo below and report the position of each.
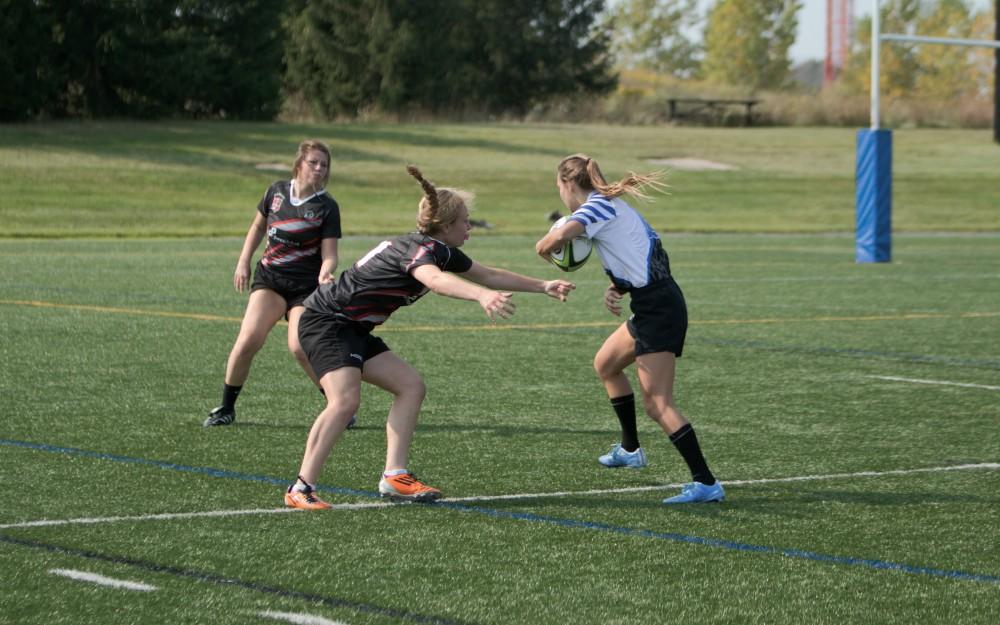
(427, 248)
(296, 225)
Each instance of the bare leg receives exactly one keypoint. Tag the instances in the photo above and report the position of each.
(294, 314)
(656, 377)
(343, 394)
(390, 372)
(264, 309)
(617, 353)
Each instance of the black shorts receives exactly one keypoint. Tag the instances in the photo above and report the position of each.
(659, 318)
(294, 290)
(331, 343)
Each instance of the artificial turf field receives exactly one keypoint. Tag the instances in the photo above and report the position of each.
(851, 410)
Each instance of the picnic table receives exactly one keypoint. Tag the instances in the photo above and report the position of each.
(712, 109)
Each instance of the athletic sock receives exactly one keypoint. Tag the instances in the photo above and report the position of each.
(394, 472)
(624, 408)
(229, 395)
(686, 443)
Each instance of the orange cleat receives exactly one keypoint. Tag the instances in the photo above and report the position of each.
(407, 487)
(304, 499)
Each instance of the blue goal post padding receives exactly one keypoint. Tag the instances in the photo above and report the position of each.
(873, 180)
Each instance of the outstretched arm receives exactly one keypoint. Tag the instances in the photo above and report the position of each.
(493, 302)
(495, 278)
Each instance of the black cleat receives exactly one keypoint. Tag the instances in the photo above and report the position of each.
(220, 416)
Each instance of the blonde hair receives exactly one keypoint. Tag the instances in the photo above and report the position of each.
(438, 207)
(305, 148)
(586, 174)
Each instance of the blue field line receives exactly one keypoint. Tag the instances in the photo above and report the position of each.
(225, 580)
(536, 518)
(726, 544)
(234, 475)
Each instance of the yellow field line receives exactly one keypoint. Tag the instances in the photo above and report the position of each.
(516, 326)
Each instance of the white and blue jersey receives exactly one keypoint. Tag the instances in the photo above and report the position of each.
(630, 249)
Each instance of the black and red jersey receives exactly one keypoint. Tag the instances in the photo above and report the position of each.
(295, 230)
(382, 281)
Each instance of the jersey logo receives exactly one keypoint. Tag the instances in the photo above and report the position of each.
(277, 202)
(309, 214)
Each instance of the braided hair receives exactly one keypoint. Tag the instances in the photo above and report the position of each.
(438, 207)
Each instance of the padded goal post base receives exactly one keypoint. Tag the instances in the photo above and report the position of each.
(873, 201)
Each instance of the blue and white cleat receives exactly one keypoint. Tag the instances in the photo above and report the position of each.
(618, 457)
(696, 492)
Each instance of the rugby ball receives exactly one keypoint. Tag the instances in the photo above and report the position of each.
(572, 255)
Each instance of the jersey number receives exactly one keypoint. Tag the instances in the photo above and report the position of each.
(378, 248)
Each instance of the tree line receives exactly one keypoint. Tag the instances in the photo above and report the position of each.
(240, 59)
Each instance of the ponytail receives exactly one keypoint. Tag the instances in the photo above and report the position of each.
(586, 174)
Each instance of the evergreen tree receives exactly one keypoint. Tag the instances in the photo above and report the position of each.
(492, 55)
(25, 60)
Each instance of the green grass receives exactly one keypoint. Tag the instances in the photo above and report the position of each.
(185, 179)
(113, 351)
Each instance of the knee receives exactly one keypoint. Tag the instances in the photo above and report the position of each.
(413, 388)
(604, 367)
(249, 343)
(296, 348)
(342, 406)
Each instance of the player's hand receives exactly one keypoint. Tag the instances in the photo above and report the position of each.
(325, 277)
(613, 300)
(558, 289)
(241, 278)
(497, 304)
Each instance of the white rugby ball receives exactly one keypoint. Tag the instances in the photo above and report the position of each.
(572, 255)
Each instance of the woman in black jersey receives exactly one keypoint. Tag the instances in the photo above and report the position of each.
(335, 331)
(302, 225)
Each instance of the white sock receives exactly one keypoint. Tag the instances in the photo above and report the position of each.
(394, 472)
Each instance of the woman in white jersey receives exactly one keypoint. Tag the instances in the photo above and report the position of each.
(301, 222)
(653, 336)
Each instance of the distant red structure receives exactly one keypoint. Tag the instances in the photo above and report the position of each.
(839, 24)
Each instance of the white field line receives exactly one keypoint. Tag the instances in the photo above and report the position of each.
(609, 491)
(893, 378)
(299, 619)
(101, 580)
(180, 515)
(774, 480)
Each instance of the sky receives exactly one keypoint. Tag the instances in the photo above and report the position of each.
(810, 43)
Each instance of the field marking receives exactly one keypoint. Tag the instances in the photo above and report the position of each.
(101, 580)
(773, 480)
(523, 326)
(892, 378)
(299, 619)
(479, 498)
(395, 615)
(170, 516)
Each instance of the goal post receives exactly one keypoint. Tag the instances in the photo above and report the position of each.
(873, 165)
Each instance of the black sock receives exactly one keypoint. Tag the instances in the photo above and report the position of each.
(624, 408)
(229, 395)
(686, 443)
